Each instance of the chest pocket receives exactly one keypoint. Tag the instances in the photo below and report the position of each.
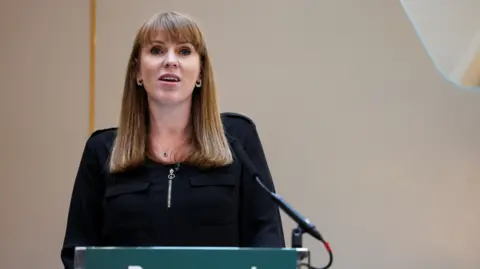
(213, 199)
(126, 204)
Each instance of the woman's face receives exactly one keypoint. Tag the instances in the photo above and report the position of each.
(168, 70)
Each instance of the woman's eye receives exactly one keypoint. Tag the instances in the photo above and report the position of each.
(185, 51)
(155, 50)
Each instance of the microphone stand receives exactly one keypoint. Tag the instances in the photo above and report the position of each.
(304, 226)
(297, 237)
(297, 242)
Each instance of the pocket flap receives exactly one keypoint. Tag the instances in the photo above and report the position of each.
(126, 188)
(213, 180)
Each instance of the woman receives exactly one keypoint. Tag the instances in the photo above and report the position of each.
(167, 176)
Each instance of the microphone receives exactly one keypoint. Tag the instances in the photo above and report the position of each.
(304, 225)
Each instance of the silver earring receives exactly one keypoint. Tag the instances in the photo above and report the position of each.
(198, 84)
(139, 82)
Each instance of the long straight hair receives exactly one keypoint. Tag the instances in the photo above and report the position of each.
(209, 143)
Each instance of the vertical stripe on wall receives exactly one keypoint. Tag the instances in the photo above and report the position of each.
(92, 66)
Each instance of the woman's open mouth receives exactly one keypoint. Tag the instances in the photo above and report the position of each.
(169, 79)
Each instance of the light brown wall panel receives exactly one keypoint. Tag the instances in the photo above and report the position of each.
(44, 125)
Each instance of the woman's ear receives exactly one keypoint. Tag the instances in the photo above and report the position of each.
(200, 74)
(138, 73)
(136, 68)
(136, 64)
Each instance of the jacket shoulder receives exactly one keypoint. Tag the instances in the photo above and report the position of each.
(236, 119)
(104, 131)
(102, 137)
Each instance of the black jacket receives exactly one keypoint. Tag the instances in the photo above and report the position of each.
(218, 207)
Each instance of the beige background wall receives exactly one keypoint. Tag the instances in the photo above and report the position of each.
(362, 134)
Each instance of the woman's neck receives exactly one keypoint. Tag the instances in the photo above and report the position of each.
(170, 122)
(170, 133)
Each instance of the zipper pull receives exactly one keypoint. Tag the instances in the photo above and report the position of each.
(170, 177)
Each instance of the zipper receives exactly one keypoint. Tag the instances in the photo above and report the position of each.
(171, 176)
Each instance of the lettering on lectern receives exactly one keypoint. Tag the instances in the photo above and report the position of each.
(139, 267)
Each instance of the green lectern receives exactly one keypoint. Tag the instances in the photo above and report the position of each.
(189, 258)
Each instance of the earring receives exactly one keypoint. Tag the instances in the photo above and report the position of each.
(198, 84)
(139, 82)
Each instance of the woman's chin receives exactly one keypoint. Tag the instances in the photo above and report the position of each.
(163, 97)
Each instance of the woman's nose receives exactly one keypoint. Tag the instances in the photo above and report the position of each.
(171, 59)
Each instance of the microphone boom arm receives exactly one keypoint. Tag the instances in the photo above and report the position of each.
(304, 225)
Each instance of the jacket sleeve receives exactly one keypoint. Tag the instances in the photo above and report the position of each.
(261, 224)
(84, 217)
